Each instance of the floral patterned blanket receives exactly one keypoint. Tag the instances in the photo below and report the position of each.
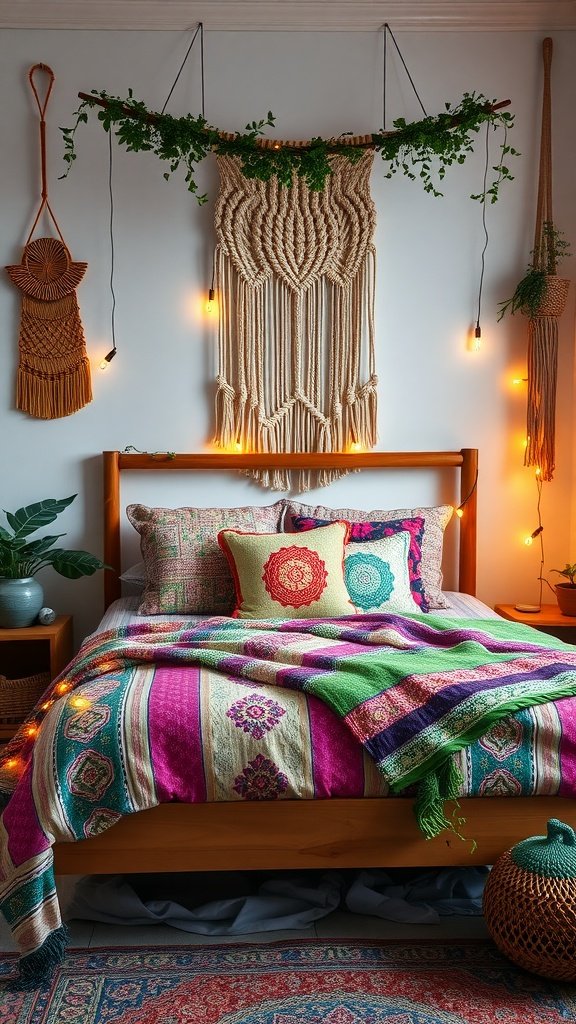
(113, 734)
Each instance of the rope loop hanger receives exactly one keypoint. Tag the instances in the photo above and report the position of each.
(42, 105)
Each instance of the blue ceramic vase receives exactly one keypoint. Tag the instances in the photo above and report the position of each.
(20, 602)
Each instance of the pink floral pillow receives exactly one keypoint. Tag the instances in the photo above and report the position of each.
(370, 531)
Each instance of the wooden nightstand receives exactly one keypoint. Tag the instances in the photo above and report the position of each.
(32, 656)
(549, 619)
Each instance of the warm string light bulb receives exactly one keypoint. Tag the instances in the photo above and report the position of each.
(62, 688)
(80, 703)
(459, 512)
(532, 537)
(108, 359)
(210, 305)
(477, 342)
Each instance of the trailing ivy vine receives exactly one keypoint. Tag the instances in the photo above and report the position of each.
(421, 149)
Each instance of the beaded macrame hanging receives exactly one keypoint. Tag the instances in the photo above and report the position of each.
(295, 276)
(53, 371)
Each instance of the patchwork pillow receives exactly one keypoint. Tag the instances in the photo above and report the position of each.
(376, 575)
(362, 533)
(435, 522)
(186, 571)
(289, 577)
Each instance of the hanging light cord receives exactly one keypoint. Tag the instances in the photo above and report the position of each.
(481, 284)
(199, 29)
(110, 355)
(388, 31)
(113, 313)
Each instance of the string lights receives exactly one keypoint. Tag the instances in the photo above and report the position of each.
(460, 510)
(537, 534)
(30, 730)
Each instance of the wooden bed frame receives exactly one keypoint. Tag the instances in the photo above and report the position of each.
(336, 833)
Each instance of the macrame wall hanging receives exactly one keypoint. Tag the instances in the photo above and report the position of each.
(543, 326)
(53, 371)
(295, 276)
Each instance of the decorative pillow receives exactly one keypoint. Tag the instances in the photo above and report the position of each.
(362, 533)
(435, 522)
(186, 572)
(288, 577)
(376, 575)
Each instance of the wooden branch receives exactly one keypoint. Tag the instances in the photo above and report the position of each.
(358, 141)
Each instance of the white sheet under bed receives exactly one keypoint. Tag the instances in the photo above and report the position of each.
(125, 610)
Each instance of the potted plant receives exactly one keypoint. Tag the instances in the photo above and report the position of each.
(566, 592)
(541, 292)
(21, 596)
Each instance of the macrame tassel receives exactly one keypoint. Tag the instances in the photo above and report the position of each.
(49, 396)
(541, 409)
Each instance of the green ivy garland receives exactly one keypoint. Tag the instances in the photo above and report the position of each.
(421, 149)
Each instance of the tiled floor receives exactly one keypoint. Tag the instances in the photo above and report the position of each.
(339, 924)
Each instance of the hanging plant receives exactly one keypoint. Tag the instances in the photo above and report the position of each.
(422, 149)
(541, 276)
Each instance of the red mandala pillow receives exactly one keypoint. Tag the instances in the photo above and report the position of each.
(288, 576)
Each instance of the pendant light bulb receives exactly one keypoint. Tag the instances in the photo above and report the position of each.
(107, 359)
(210, 304)
(477, 343)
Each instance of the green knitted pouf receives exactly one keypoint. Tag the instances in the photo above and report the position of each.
(530, 903)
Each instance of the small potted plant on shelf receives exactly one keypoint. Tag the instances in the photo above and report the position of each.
(541, 292)
(22, 596)
(566, 592)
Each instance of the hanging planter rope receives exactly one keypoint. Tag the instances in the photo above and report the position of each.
(419, 149)
(543, 323)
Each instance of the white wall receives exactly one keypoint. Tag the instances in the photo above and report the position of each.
(158, 392)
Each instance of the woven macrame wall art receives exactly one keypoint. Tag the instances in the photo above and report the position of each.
(295, 274)
(53, 370)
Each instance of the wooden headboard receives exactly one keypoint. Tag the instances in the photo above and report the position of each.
(117, 462)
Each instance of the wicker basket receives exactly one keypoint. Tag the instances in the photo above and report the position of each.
(18, 696)
(530, 903)
(555, 296)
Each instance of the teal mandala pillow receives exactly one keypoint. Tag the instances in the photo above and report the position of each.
(377, 576)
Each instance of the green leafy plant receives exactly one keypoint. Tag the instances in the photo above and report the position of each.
(420, 150)
(530, 291)
(569, 573)
(21, 558)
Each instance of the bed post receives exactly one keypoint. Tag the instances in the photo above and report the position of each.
(112, 587)
(468, 498)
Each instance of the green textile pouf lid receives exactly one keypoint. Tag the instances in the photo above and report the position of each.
(552, 855)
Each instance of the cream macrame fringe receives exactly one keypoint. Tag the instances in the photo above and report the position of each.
(295, 274)
(541, 407)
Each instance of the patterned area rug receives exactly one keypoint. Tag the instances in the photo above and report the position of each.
(313, 982)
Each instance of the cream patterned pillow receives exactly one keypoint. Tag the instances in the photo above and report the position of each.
(377, 577)
(186, 572)
(435, 522)
(289, 576)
